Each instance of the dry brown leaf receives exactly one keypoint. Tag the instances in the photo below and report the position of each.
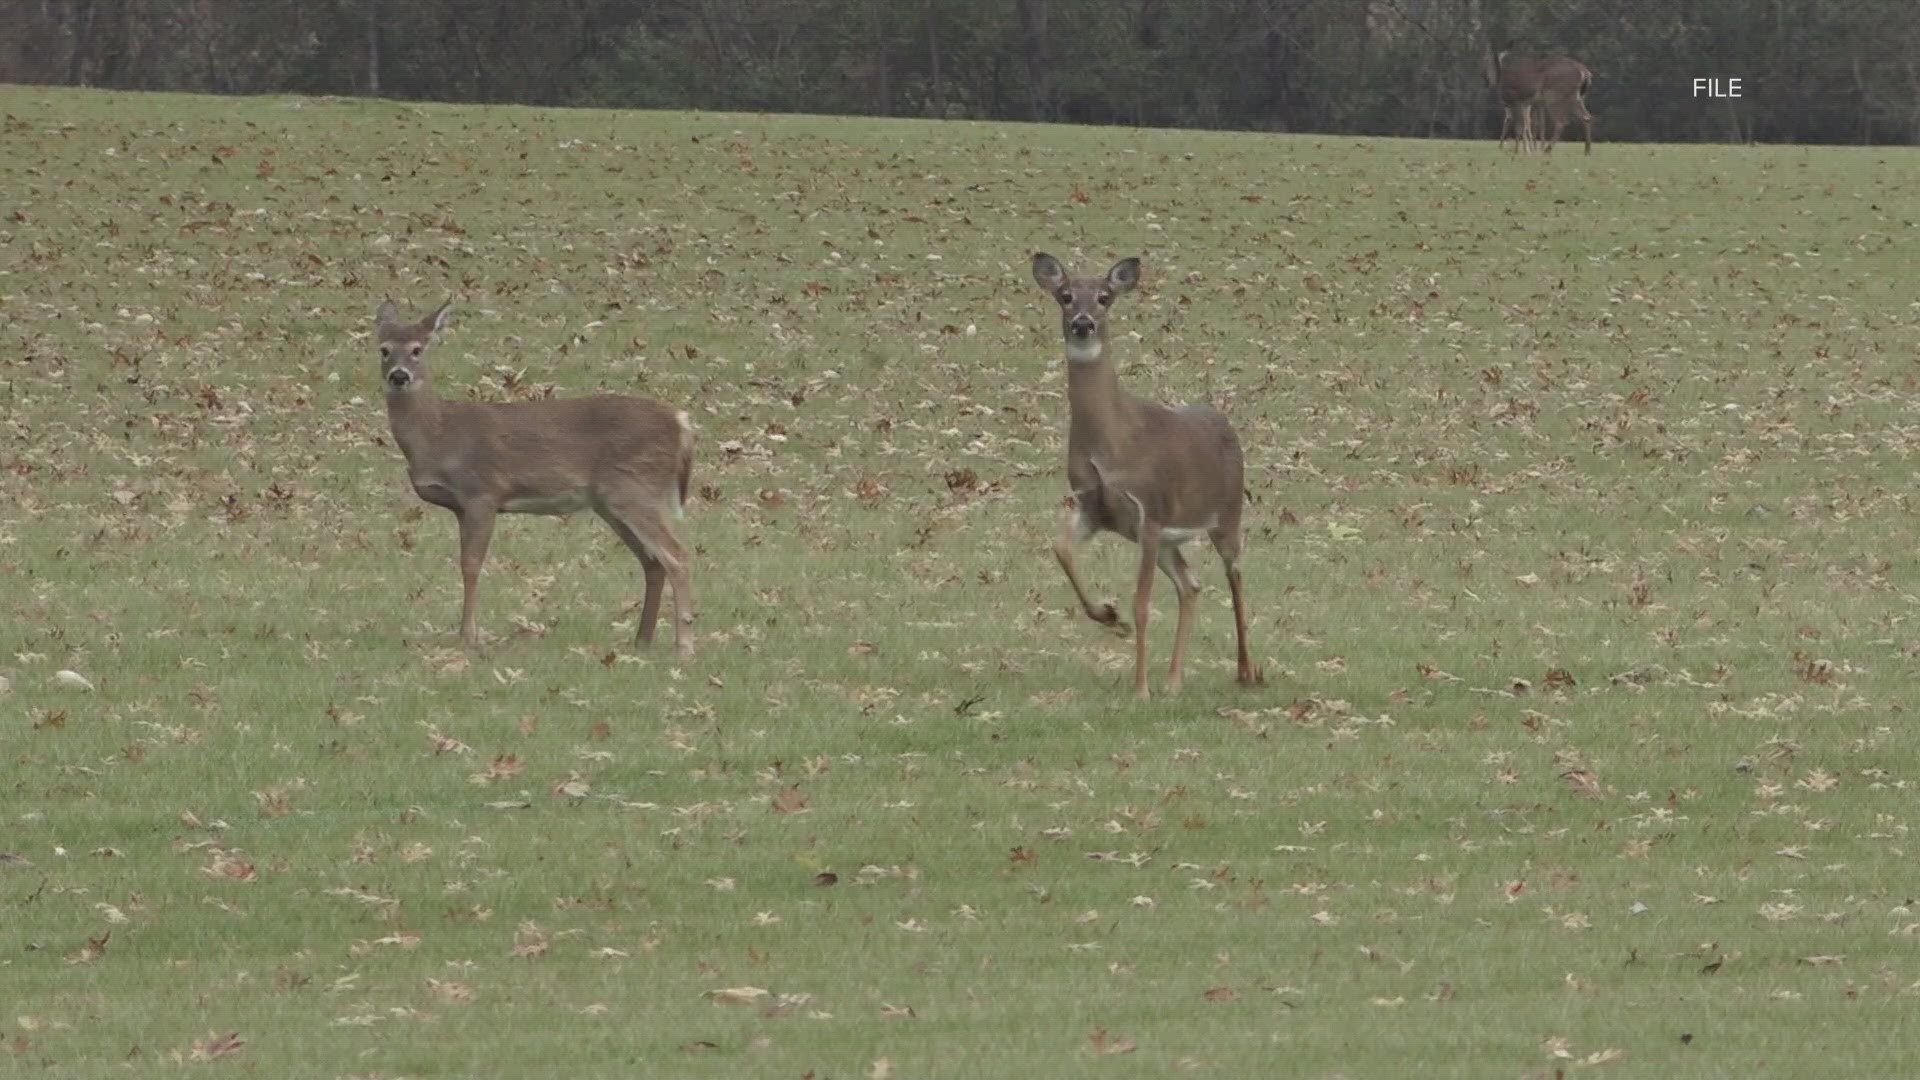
(1584, 783)
(450, 992)
(530, 940)
(230, 866)
(214, 1046)
(94, 949)
(1105, 1044)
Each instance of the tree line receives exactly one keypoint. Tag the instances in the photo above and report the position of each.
(1811, 71)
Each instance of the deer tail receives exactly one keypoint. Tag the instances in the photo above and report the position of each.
(686, 457)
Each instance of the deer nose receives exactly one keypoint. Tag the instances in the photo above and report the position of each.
(398, 378)
(1082, 325)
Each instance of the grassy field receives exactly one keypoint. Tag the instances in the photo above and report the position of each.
(1580, 553)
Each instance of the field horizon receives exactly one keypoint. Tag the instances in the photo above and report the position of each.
(1571, 548)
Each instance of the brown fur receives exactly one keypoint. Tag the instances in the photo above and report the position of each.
(628, 459)
(1156, 475)
(1557, 85)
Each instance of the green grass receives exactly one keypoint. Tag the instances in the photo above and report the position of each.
(1645, 418)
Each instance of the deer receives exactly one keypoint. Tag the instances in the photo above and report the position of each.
(1157, 475)
(1507, 124)
(1566, 82)
(1557, 85)
(628, 459)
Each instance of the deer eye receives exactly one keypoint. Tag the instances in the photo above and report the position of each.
(386, 349)
(1106, 298)
(414, 349)
(1064, 297)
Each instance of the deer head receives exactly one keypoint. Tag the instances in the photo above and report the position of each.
(402, 345)
(1085, 302)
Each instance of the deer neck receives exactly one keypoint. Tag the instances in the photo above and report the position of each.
(1099, 411)
(414, 417)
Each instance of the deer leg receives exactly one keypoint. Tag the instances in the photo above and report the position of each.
(1506, 121)
(1586, 121)
(1228, 545)
(1077, 531)
(650, 607)
(476, 532)
(1185, 588)
(1558, 114)
(642, 525)
(1142, 594)
(651, 567)
(682, 607)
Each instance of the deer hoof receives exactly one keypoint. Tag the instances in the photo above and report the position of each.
(1253, 677)
(1109, 617)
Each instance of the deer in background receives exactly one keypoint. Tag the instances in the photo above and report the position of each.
(1558, 86)
(1507, 125)
(1156, 475)
(627, 459)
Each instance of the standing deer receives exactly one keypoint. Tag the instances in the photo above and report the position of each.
(626, 458)
(1557, 85)
(1507, 124)
(1565, 83)
(1156, 475)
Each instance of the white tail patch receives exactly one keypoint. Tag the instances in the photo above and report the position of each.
(686, 447)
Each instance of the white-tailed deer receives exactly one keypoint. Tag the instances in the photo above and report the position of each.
(1156, 475)
(627, 459)
(1507, 125)
(1558, 86)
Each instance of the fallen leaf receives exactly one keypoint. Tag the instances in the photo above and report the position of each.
(94, 949)
(789, 801)
(449, 992)
(1584, 783)
(215, 1046)
(1105, 1044)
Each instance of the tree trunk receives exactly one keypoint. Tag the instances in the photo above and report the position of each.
(83, 45)
(373, 48)
(879, 29)
(1146, 29)
(933, 61)
(1033, 37)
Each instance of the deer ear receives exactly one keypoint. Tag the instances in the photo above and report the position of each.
(437, 321)
(1124, 275)
(387, 315)
(1048, 272)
